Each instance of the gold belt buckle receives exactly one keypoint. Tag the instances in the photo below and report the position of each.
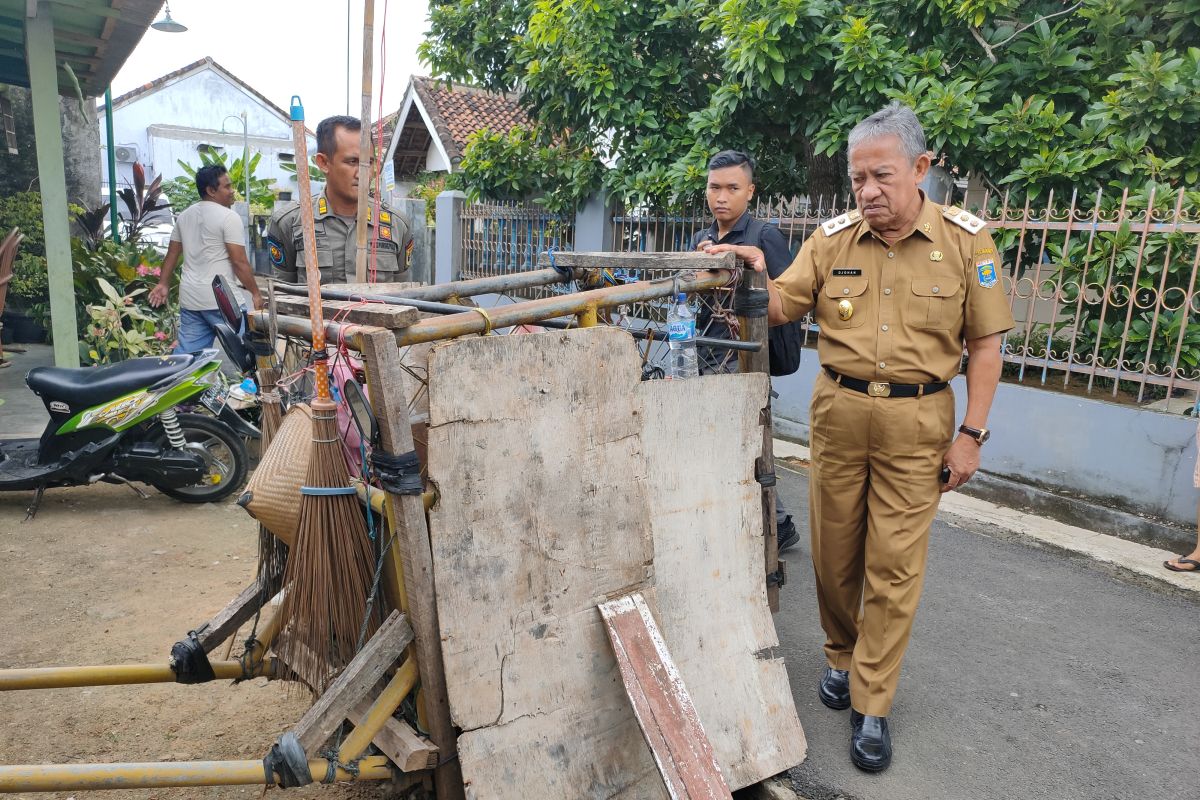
(879, 389)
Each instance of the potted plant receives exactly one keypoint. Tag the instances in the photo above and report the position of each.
(29, 288)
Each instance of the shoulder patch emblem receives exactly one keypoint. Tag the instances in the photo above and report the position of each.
(408, 251)
(840, 223)
(276, 252)
(962, 219)
(987, 272)
(322, 207)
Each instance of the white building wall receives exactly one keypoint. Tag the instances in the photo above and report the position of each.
(170, 124)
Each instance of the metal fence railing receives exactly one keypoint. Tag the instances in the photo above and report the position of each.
(500, 238)
(1103, 288)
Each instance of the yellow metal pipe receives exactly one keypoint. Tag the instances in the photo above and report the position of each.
(115, 675)
(380, 712)
(379, 497)
(588, 317)
(84, 777)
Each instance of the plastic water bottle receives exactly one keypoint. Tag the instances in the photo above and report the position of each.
(681, 336)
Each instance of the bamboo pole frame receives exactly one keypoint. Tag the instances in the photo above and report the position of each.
(83, 777)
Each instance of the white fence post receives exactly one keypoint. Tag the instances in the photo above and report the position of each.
(594, 224)
(449, 236)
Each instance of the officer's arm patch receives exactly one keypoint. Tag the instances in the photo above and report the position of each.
(408, 251)
(276, 252)
(986, 268)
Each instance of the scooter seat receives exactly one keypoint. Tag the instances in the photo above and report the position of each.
(89, 386)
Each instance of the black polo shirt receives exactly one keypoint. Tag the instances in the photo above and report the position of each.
(773, 245)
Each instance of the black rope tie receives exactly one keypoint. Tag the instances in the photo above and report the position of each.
(398, 474)
(748, 302)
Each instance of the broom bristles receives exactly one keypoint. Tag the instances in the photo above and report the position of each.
(330, 568)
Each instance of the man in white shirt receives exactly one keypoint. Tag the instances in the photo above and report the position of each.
(211, 238)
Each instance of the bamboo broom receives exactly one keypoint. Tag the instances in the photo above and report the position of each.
(331, 565)
(272, 551)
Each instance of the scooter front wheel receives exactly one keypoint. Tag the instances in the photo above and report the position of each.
(223, 452)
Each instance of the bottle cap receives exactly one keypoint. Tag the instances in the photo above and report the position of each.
(681, 297)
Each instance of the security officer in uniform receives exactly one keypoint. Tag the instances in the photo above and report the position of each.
(335, 218)
(897, 286)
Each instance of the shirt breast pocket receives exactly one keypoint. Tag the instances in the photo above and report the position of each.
(936, 302)
(844, 304)
(324, 255)
(387, 256)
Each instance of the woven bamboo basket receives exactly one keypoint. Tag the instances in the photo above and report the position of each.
(273, 494)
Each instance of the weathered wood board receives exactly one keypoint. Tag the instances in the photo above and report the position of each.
(553, 493)
(661, 703)
(708, 558)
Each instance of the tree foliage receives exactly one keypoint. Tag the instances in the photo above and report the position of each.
(1029, 94)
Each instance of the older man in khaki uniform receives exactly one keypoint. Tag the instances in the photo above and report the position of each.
(335, 219)
(897, 287)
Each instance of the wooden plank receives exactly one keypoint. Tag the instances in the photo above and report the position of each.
(710, 597)
(377, 314)
(359, 676)
(232, 616)
(411, 559)
(542, 513)
(659, 261)
(398, 741)
(754, 329)
(374, 288)
(552, 465)
(661, 703)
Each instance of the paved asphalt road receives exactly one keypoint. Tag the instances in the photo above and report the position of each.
(1030, 674)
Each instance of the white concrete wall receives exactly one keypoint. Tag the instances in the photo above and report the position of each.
(169, 124)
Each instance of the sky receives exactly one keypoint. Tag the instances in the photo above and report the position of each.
(287, 47)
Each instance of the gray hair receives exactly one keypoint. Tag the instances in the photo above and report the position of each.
(896, 120)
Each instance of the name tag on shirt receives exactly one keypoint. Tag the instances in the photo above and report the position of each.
(846, 272)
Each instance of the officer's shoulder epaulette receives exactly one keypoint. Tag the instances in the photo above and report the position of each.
(840, 223)
(963, 219)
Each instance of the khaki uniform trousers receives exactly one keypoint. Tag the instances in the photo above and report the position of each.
(874, 489)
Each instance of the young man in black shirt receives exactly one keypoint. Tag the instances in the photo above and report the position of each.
(730, 190)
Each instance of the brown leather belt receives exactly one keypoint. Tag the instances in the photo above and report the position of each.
(882, 389)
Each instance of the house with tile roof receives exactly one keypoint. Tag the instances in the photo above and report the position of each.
(175, 117)
(430, 131)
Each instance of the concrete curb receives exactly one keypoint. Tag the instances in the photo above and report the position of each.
(1139, 559)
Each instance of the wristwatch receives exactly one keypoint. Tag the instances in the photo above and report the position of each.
(980, 435)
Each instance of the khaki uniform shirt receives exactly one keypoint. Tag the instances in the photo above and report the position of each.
(336, 243)
(901, 313)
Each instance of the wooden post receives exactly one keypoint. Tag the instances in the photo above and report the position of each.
(385, 380)
(754, 329)
(364, 146)
(52, 181)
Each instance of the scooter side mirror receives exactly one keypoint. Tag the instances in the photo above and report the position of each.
(360, 411)
(241, 356)
(227, 302)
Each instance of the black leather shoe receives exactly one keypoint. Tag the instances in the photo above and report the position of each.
(870, 742)
(786, 533)
(834, 688)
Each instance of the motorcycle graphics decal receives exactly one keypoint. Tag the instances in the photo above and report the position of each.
(118, 411)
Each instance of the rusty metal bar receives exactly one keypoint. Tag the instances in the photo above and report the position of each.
(533, 311)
